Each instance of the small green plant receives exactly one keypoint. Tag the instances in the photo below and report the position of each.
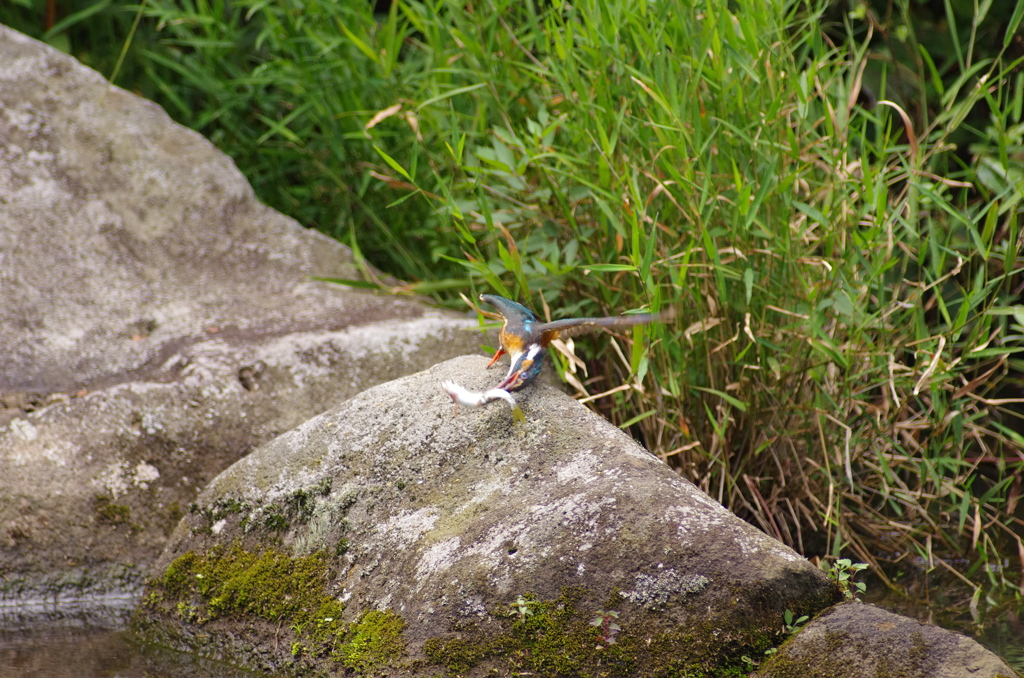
(523, 607)
(842, 572)
(790, 625)
(604, 620)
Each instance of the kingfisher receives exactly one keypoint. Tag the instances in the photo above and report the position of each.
(526, 339)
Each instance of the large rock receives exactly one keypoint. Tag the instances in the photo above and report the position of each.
(856, 640)
(156, 324)
(393, 536)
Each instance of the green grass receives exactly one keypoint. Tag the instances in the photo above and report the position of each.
(845, 370)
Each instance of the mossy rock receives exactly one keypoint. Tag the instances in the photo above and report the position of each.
(855, 640)
(426, 528)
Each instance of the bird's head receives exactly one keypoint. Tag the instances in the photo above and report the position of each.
(512, 311)
(525, 368)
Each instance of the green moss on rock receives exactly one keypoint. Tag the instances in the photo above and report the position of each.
(554, 638)
(230, 583)
(374, 642)
(109, 513)
(233, 582)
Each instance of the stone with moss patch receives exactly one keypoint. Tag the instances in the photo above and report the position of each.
(855, 640)
(230, 584)
(556, 639)
(564, 507)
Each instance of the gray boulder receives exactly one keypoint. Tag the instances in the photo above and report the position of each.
(856, 640)
(156, 324)
(394, 536)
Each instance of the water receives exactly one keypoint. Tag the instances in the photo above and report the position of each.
(87, 653)
(85, 638)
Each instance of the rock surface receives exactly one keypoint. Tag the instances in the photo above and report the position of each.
(431, 525)
(156, 323)
(856, 640)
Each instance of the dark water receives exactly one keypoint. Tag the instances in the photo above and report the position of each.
(86, 639)
(92, 653)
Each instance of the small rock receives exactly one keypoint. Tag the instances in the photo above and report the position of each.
(856, 640)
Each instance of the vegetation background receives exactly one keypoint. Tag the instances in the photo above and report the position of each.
(829, 192)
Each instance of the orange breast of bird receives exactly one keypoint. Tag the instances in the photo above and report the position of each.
(511, 342)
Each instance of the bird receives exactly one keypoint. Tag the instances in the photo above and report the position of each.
(525, 339)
